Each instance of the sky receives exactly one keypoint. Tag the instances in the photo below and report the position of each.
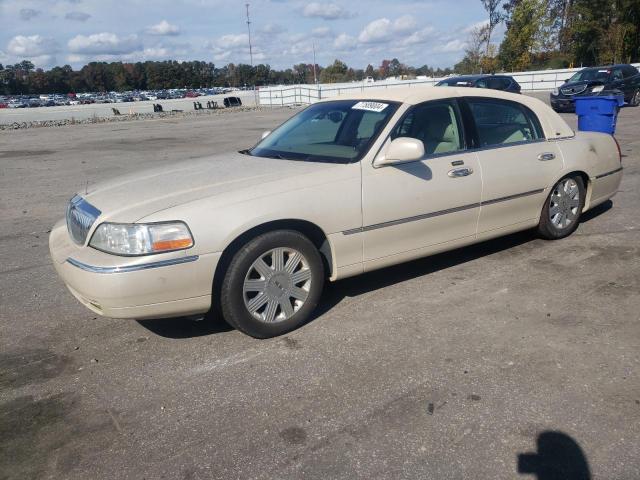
(284, 32)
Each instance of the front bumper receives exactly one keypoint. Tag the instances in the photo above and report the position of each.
(154, 286)
(562, 103)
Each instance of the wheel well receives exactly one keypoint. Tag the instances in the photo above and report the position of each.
(587, 185)
(308, 229)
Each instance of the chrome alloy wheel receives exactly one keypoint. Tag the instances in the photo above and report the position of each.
(564, 203)
(277, 285)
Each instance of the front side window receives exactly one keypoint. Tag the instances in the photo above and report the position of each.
(617, 74)
(339, 131)
(500, 122)
(436, 124)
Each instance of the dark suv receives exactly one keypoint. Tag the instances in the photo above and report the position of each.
(494, 82)
(614, 79)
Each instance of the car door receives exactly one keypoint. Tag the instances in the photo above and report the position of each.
(410, 207)
(618, 82)
(517, 163)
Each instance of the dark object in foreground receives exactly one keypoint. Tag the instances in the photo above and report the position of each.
(559, 457)
(232, 102)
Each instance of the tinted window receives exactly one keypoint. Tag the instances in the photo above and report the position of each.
(501, 122)
(630, 71)
(601, 74)
(617, 74)
(436, 124)
(455, 82)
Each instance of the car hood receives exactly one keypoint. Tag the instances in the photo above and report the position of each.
(132, 197)
(578, 88)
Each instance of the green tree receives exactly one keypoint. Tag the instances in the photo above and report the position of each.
(337, 72)
(524, 24)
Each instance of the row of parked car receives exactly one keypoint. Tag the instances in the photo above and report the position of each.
(621, 79)
(31, 101)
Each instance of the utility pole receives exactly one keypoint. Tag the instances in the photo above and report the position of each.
(249, 30)
(315, 79)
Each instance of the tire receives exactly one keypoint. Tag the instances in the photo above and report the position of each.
(273, 284)
(635, 99)
(561, 212)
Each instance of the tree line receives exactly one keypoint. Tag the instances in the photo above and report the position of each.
(24, 78)
(554, 34)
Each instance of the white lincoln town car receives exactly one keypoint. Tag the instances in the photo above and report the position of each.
(345, 186)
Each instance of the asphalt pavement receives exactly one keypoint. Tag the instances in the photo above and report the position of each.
(496, 361)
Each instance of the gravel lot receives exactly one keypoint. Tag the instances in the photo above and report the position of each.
(446, 368)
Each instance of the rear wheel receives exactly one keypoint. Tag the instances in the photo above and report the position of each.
(273, 284)
(561, 212)
(635, 99)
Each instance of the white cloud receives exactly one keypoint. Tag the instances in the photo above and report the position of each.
(163, 28)
(233, 41)
(383, 29)
(420, 36)
(77, 16)
(321, 32)
(344, 42)
(31, 46)
(104, 44)
(326, 11)
(272, 29)
(452, 46)
(404, 24)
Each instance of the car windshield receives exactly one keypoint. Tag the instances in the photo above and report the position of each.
(455, 82)
(338, 131)
(601, 74)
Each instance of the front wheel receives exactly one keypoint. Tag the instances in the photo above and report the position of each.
(635, 99)
(561, 212)
(273, 284)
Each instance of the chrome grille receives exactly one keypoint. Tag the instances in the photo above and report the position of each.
(80, 217)
(578, 89)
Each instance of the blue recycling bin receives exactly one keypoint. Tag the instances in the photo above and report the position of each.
(598, 113)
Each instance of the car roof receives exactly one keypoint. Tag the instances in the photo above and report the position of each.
(553, 125)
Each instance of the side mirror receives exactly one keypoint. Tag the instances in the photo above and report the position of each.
(265, 134)
(402, 150)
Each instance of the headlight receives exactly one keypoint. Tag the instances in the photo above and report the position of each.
(597, 89)
(140, 238)
(555, 92)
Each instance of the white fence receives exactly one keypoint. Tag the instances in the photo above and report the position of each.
(304, 94)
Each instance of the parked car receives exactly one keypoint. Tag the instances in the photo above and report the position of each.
(493, 82)
(345, 186)
(232, 102)
(615, 79)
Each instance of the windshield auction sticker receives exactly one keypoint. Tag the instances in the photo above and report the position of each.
(370, 106)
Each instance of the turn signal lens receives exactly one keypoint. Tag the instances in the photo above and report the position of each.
(141, 239)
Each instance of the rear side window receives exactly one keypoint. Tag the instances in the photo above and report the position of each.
(435, 123)
(617, 74)
(630, 71)
(501, 122)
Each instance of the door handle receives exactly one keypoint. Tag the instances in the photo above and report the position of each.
(460, 172)
(543, 157)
